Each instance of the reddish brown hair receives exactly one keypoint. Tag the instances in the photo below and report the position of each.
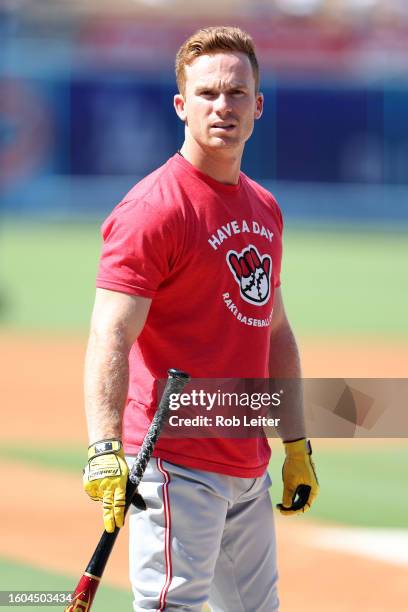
(208, 41)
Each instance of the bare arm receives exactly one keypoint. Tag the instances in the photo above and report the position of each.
(117, 320)
(284, 362)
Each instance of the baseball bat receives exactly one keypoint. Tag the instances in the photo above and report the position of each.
(84, 593)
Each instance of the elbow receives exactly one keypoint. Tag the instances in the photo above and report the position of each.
(113, 336)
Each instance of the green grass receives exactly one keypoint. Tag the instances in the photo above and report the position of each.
(365, 488)
(346, 283)
(359, 487)
(67, 459)
(47, 275)
(334, 282)
(21, 577)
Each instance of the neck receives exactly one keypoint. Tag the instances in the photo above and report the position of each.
(222, 165)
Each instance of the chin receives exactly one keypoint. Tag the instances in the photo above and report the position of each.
(224, 143)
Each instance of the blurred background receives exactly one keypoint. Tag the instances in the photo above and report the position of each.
(86, 90)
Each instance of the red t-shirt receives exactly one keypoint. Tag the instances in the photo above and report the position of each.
(209, 257)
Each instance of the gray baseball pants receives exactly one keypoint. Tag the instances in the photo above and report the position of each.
(205, 537)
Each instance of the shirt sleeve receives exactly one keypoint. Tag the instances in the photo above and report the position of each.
(278, 261)
(138, 246)
(280, 218)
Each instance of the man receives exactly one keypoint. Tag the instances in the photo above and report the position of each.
(189, 277)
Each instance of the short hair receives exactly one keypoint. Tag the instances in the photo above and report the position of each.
(208, 41)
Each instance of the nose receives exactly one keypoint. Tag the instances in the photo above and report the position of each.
(222, 103)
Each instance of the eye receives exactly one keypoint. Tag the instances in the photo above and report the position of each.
(207, 93)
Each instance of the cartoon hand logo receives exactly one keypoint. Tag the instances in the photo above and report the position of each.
(252, 273)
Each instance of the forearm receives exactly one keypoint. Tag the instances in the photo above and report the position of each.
(106, 384)
(284, 363)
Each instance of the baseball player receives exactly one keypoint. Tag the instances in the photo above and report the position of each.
(189, 277)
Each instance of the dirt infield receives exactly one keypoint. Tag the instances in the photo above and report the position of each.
(41, 392)
(42, 379)
(311, 579)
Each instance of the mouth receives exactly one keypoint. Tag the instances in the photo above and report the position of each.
(224, 126)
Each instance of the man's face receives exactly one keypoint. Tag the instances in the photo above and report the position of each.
(220, 103)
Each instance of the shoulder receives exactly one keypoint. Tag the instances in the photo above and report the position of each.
(259, 190)
(156, 199)
(159, 183)
(265, 196)
(157, 189)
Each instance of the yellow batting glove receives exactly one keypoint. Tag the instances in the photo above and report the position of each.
(300, 484)
(105, 479)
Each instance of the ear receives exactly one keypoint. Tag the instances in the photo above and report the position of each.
(180, 106)
(259, 105)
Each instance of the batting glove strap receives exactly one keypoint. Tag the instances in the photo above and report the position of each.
(298, 447)
(105, 447)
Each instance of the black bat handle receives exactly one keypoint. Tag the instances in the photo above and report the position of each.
(175, 384)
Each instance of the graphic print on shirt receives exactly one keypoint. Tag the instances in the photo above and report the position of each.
(252, 271)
